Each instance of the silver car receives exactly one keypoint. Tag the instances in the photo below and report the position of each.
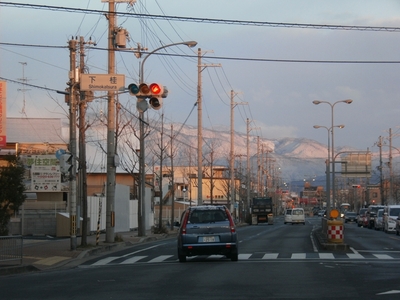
(378, 224)
(206, 230)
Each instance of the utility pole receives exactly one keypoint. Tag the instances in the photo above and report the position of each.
(85, 97)
(200, 69)
(199, 132)
(258, 167)
(23, 90)
(72, 142)
(161, 174)
(111, 146)
(172, 181)
(232, 152)
(381, 172)
(248, 161)
(391, 198)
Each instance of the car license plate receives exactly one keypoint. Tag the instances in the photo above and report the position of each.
(208, 239)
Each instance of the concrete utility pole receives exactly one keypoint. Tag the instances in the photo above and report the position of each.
(199, 132)
(248, 161)
(72, 142)
(172, 181)
(232, 152)
(111, 146)
(200, 69)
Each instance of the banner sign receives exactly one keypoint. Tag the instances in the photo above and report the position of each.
(356, 165)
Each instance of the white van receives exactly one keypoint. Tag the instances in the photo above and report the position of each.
(390, 215)
(298, 216)
(288, 216)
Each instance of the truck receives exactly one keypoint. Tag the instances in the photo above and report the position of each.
(261, 211)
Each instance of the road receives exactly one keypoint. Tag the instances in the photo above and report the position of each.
(275, 262)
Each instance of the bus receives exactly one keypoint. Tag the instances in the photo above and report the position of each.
(343, 208)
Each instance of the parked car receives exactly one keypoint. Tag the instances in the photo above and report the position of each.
(398, 225)
(288, 216)
(360, 216)
(207, 230)
(390, 216)
(371, 214)
(378, 225)
(350, 216)
(298, 216)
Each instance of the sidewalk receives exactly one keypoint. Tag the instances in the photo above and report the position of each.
(44, 253)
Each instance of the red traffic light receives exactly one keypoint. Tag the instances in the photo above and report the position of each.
(156, 89)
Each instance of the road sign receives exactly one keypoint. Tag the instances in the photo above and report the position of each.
(102, 82)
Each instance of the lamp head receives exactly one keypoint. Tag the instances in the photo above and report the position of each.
(341, 126)
(316, 126)
(348, 101)
(316, 102)
(191, 44)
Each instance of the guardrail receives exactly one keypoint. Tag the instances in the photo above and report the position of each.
(11, 250)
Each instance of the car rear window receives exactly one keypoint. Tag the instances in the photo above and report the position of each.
(207, 216)
(297, 212)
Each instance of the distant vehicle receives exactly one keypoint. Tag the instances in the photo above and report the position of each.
(378, 224)
(350, 216)
(371, 214)
(390, 216)
(343, 208)
(360, 216)
(261, 210)
(298, 216)
(322, 213)
(207, 230)
(288, 216)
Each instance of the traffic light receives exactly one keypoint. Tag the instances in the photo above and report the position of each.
(156, 91)
(66, 163)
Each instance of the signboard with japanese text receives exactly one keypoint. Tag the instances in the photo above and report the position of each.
(102, 82)
(3, 115)
(45, 175)
(356, 165)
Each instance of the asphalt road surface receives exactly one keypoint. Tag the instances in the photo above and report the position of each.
(275, 262)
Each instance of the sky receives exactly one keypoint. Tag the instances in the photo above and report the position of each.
(275, 72)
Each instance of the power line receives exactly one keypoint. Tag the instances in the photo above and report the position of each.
(231, 57)
(207, 20)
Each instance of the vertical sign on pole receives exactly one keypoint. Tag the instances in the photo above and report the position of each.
(3, 115)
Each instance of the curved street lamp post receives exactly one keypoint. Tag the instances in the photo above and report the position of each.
(316, 102)
(142, 172)
(328, 184)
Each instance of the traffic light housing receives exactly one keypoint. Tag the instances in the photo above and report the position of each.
(66, 161)
(154, 92)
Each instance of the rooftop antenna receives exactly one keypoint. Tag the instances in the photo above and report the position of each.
(23, 90)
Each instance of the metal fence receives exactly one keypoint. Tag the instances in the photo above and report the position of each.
(11, 250)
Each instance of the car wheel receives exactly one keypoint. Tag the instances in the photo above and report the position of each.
(182, 258)
(284, 223)
(234, 257)
(397, 233)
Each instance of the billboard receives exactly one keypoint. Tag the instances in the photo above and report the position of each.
(45, 175)
(356, 165)
(3, 115)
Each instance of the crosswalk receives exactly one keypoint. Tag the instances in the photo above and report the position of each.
(126, 260)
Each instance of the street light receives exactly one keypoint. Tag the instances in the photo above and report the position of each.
(142, 172)
(328, 185)
(316, 102)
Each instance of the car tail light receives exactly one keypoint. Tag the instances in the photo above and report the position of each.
(231, 223)
(184, 223)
